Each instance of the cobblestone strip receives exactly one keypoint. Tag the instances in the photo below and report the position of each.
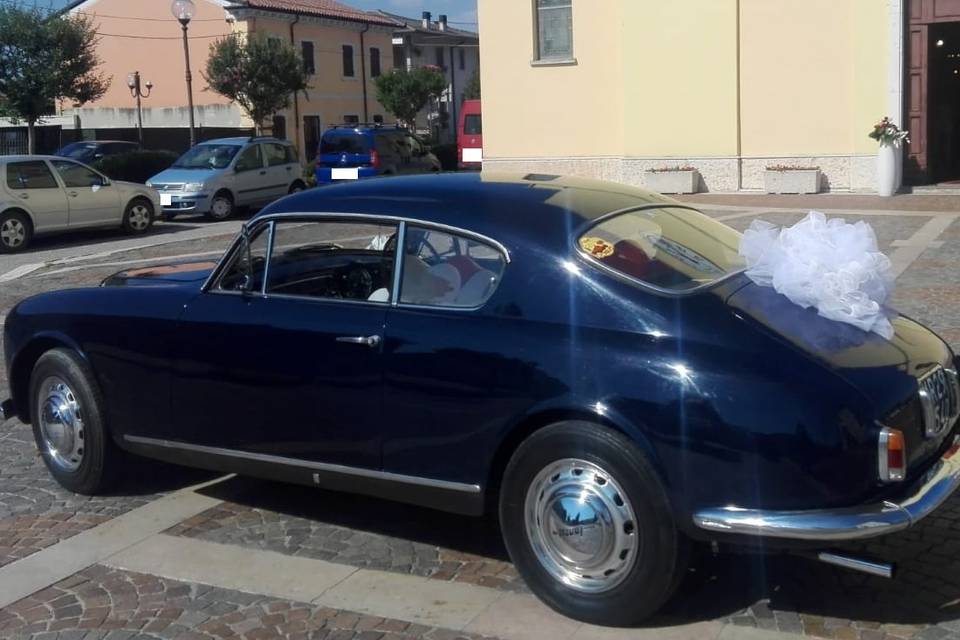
(246, 526)
(100, 602)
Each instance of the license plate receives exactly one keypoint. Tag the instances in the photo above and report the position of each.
(166, 199)
(473, 155)
(345, 174)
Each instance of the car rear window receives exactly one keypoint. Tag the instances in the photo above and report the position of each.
(344, 143)
(472, 124)
(670, 248)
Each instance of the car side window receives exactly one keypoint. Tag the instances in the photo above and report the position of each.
(442, 269)
(334, 260)
(250, 158)
(276, 154)
(248, 264)
(32, 174)
(291, 154)
(76, 175)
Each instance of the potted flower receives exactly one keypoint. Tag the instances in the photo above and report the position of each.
(781, 178)
(676, 179)
(890, 137)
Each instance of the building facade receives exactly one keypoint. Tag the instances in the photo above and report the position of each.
(455, 52)
(343, 49)
(611, 88)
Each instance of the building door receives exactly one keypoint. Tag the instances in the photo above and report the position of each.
(311, 136)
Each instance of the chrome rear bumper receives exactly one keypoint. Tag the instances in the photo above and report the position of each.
(6, 410)
(850, 523)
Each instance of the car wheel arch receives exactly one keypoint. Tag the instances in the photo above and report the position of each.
(26, 359)
(25, 212)
(529, 424)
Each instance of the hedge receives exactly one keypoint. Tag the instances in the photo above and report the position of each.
(136, 166)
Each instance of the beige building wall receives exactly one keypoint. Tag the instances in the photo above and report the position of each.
(728, 86)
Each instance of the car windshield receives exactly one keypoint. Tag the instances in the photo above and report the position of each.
(346, 142)
(76, 150)
(207, 156)
(669, 247)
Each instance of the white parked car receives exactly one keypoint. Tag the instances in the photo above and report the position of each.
(43, 194)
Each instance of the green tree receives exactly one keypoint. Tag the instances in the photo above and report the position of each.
(259, 74)
(44, 60)
(472, 90)
(403, 93)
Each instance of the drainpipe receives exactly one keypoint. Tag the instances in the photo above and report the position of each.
(296, 97)
(363, 72)
(453, 97)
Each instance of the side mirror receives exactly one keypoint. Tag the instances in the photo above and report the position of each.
(97, 156)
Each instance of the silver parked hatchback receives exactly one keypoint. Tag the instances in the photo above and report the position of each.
(42, 194)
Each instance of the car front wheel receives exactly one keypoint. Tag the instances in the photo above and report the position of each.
(589, 526)
(68, 423)
(221, 207)
(138, 217)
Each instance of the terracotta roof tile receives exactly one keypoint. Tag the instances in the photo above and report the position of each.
(322, 8)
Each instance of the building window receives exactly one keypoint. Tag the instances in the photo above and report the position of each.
(554, 29)
(463, 61)
(279, 128)
(439, 52)
(399, 58)
(309, 61)
(348, 61)
(351, 119)
(374, 62)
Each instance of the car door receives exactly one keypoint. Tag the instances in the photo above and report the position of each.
(282, 355)
(91, 198)
(32, 183)
(250, 177)
(452, 367)
(281, 171)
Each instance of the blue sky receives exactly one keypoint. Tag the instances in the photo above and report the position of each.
(459, 11)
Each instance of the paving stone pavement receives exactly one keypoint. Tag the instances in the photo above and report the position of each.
(109, 604)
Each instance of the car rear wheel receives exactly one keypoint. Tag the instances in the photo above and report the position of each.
(138, 217)
(16, 232)
(221, 207)
(68, 423)
(297, 187)
(589, 526)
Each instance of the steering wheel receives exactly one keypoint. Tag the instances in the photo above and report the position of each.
(433, 259)
(358, 284)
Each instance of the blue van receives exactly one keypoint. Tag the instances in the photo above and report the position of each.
(354, 151)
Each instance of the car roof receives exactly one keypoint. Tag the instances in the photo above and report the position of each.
(102, 142)
(244, 140)
(24, 158)
(346, 130)
(542, 208)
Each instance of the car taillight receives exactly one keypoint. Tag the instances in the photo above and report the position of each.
(892, 455)
(375, 159)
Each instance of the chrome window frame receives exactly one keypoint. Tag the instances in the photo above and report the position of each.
(209, 285)
(677, 293)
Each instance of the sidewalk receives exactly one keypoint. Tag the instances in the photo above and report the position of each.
(820, 201)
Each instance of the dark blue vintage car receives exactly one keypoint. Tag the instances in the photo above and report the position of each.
(586, 360)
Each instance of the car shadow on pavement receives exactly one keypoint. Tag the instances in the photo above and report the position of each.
(145, 477)
(788, 591)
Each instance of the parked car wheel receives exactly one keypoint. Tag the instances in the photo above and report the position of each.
(68, 423)
(222, 206)
(588, 524)
(16, 231)
(138, 217)
(297, 187)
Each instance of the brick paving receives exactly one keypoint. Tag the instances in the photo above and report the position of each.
(109, 604)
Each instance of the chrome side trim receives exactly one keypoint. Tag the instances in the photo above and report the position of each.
(309, 464)
(881, 569)
(852, 523)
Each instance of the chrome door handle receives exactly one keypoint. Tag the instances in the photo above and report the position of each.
(263, 173)
(73, 194)
(370, 341)
(25, 196)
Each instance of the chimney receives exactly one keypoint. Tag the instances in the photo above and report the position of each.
(425, 19)
(442, 22)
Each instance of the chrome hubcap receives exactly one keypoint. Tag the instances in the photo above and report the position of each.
(13, 233)
(61, 424)
(139, 217)
(221, 208)
(581, 526)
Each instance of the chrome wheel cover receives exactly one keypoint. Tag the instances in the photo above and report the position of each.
(13, 233)
(581, 525)
(139, 217)
(61, 423)
(221, 208)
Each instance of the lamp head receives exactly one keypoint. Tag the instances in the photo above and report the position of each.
(183, 10)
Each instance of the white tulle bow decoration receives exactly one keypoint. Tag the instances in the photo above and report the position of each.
(828, 264)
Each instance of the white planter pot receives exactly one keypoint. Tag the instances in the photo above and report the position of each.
(792, 181)
(887, 178)
(672, 181)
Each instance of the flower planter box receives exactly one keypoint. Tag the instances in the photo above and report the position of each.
(686, 181)
(792, 181)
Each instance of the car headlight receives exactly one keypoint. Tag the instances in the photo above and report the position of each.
(149, 184)
(193, 186)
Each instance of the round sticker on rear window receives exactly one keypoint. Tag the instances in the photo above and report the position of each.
(596, 247)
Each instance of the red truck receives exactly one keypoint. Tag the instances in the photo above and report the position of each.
(470, 136)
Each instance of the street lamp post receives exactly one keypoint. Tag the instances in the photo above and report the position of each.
(183, 11)
(133, 81)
